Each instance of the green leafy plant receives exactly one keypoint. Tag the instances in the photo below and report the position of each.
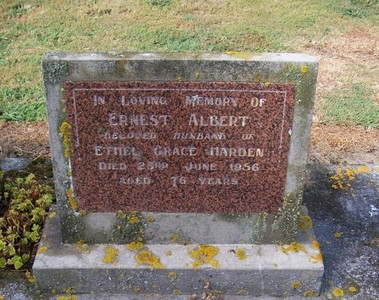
(20, 227)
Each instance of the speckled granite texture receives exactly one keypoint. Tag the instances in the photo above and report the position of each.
(137, 146)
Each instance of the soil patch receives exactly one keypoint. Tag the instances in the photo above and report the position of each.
(29, 140)
(332, 144)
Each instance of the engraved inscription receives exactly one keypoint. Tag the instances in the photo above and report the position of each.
(221, 121)
(210, 101)
(179, 147)
(235, 152)
(137, 120)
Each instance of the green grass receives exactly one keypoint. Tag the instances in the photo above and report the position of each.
(359, 8)
(351, 106)
(28, 29)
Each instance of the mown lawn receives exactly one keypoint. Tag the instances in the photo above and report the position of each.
(28, 29)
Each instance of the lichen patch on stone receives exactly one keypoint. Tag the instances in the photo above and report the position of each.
(132, 246)
(146, 257)
(111, 255)
(305, 222)
(64, 132)
(294, 247)
(204, 254)
(241, 254)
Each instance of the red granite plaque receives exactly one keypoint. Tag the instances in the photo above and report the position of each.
(179, 146)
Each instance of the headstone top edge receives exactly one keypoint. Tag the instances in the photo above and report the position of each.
(179, 56)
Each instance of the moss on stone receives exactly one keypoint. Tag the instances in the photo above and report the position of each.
(285, 224)
(54, 71)
(129, 227)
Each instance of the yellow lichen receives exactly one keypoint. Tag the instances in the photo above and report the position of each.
(30, 277)
(174, 237)
(133, 218)
(180, 78)
(71, 200)
(309, 294)
(172, 275)
(242, 293)
(304, 69)
(337, 292)
(362, 169)
(137, 289)
(168, 253)
(111, 255)
(64, 132)
(352, 289)
(154, 286)
(318, 257)
(67, 298)
(296, 284)
(176, 292)
(342, 177)
(150, 219)
(305, 222)
(120, 214)
(146, 257)
(204, 254)
(294, 247)
(315, 259)
(52, 215)
(241, 254)
(197, 75)
(70, 290)
(241, 55)
(315, 245)
(81, 247)
(42, 250)
(337, 234)
(132, 246)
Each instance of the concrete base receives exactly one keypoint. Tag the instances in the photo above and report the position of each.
(266, 269)
(181, 297)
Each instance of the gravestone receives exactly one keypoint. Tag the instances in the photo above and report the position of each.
(197, 158)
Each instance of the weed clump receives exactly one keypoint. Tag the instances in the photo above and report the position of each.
(28, 203)
(159, 3)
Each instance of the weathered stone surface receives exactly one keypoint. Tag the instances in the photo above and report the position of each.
(271, 196)
(197, 233)
(257, 270)
(7, 164)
